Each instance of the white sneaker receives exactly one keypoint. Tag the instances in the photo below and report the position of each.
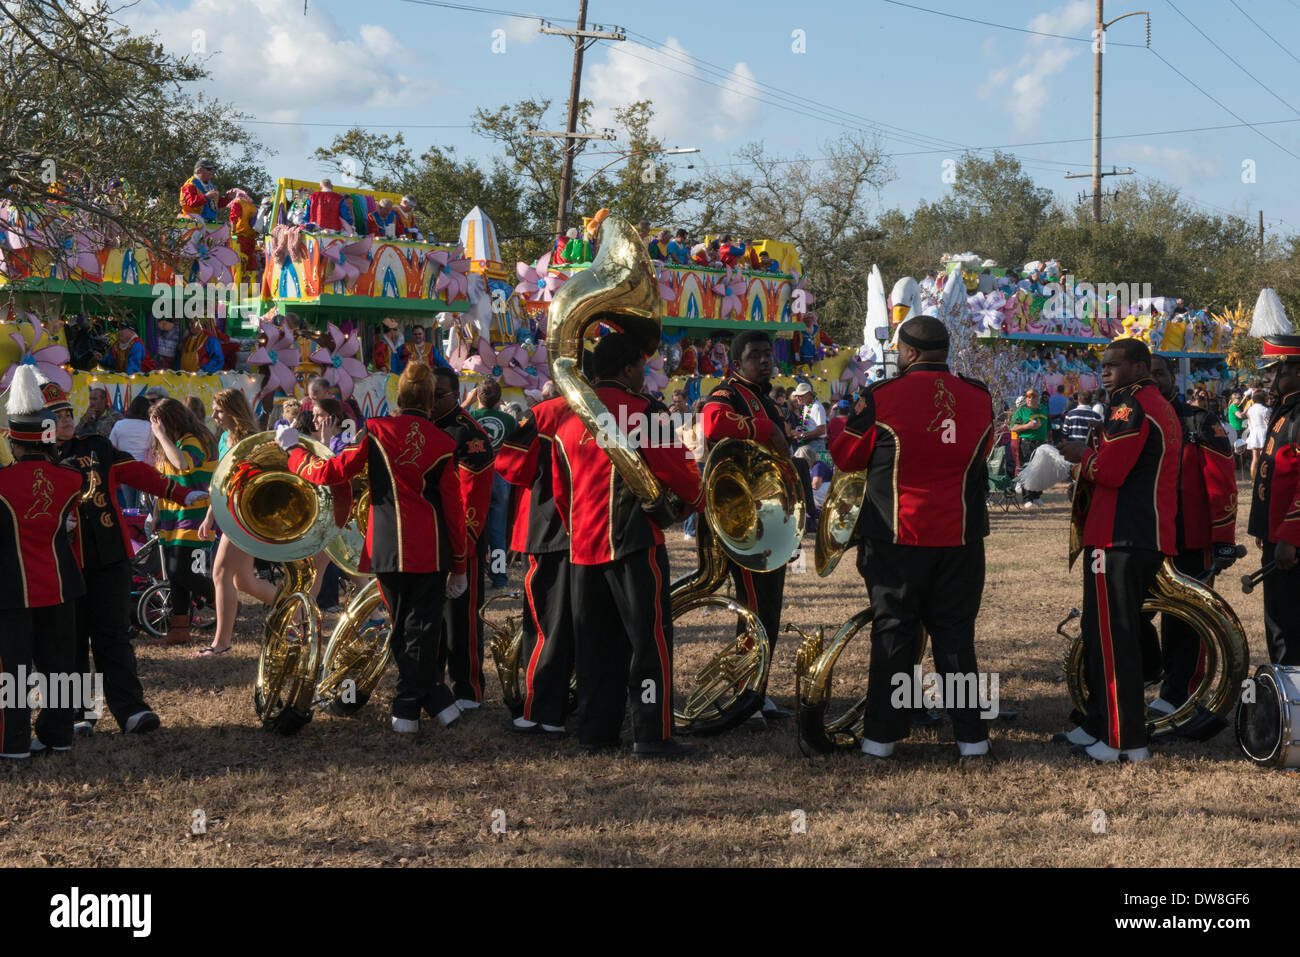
(38, 747)
(1160, 707)
(16, 757)
(142, 722)
(451, 714)
(405, 725)
(876, 749)
(467, 704)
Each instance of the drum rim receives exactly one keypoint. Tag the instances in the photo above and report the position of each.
(1275, 757)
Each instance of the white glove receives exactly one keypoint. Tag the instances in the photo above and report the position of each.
(195, 496)
(456, 585)
(286, 436)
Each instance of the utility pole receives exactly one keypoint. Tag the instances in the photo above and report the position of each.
(582, 38)
(1098, 49)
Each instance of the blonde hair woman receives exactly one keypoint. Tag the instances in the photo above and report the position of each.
(233, 570)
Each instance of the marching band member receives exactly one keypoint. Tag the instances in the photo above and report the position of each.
(462, 631)
(619, 586)
(103, 549)
(1275, 502)
(1207, 530)
(525, 460)
(741, 407)
(39, 579)
(923, 438)
(1129, 529)
(415, 537)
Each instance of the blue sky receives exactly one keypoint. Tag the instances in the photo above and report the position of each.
(927, 84)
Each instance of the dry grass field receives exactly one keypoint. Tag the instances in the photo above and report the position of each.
(350, 792)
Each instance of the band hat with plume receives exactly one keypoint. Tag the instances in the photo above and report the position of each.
(29, 419)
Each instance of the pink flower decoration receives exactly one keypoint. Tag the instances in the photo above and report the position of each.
(733, 287)
(538, 284)
(49, 358)
(854, 375)
(347, 260)
(341, 365)
(512, 360)
(537, 369)
(452, 269)
(666, 292)
(801, 297)
(484, 359)
(655, 376)
(280, 356)
(212, 252)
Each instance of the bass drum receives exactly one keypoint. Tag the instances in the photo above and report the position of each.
(1268, 721)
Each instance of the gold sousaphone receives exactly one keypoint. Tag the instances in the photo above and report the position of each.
(755, 523)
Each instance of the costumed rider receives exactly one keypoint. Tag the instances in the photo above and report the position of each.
(200, 200)
(1275, 500)
(741, 407)
(526, 460)
(415, 536)
(201, 350)
(330, 211)
(128, 352)
(619, 577)
(386, 355)
(385, 221)
(1130, 528)
(418, 349)
(923, 437)
(1207, 531)
(102, 546)
(39, 578)
(462, 632)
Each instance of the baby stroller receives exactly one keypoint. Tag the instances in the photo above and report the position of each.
(1002, 484)
(151, 595)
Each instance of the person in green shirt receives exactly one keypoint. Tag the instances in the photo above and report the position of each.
(1234, 411)
(497, 425)
(1031, 424)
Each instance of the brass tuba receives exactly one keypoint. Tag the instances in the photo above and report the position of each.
(838, 523)
(345, 548)
(269, 512)
(357, 655)
(1223, 640)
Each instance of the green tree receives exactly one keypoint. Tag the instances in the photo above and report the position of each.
(368, 160)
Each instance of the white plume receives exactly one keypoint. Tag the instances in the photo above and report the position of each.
(25, 392)
(1269, 318)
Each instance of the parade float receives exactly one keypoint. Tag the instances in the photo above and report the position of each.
(1037, 327)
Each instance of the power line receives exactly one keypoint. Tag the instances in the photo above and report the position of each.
(1221, 105)
(1003, 26)
(1265, 32)
(366, 126)
(1233, 60)
(469, 8)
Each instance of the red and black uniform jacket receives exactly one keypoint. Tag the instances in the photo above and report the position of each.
(417, 516)
(1275, 503)
(923, 438)
(740, 409)
(1134, 472)
(604, 518)
(525, 460)
(37, 565)
(474, 457)
(102, 538)
(1207, 480)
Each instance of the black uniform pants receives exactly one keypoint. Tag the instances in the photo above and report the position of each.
(763, 593)
(623, 643)
(1181, 652)
(104, 629)
(1115, 584)
(461, 644)
(415, 603)
(913, 586)
(1281, 611)
(181, 565)
(36, 640)
(548, 638)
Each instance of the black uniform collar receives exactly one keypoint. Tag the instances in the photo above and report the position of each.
(420, 412)
(1289, 400)
(1132, 387)
(754, 387)
(930, 366)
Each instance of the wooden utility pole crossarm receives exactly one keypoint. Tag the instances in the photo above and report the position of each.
(582, 38)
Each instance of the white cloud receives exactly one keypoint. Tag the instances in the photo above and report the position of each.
(269, 60)
(1025, 87)
(686, 108)
(1183, 166)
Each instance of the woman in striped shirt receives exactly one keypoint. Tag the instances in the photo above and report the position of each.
(183, 450)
